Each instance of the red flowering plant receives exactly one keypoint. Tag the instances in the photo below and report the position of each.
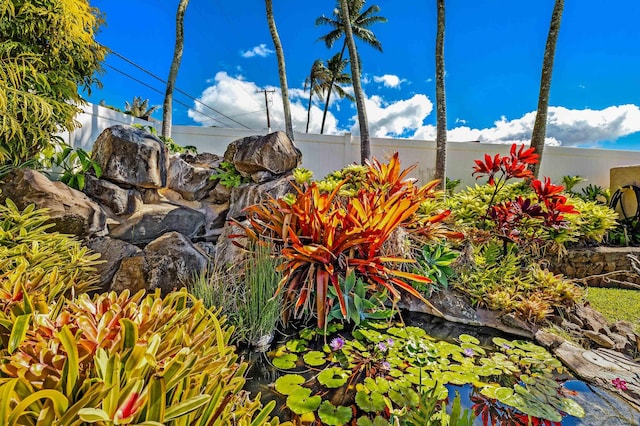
(523, 220)
(323, 235)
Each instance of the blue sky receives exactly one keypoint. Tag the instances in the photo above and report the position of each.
(493, 57)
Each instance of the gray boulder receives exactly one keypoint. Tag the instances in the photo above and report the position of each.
(153, 220)
(252, 193)
(131, 156)
(112, 252)
(191, 176)
(167, 263)
(71, 211)
(226, 252)
(121, 201)
(273, 153)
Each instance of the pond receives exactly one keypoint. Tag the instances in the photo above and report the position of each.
(451, 359)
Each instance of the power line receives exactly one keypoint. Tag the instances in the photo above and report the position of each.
(159, 91)
(176, 89)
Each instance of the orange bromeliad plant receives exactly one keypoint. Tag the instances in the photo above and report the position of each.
(323, 235)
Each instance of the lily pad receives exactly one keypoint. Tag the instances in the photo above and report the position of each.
(465, 338)
(570, 407)
(307, 333)
(372, 402)
(378, 384)
(286, 361)
(302, 402)
(332, 415)
(314, 358)
(377, 421)
(333, 377)
(289, 384)
(297, 345)
(406, 398)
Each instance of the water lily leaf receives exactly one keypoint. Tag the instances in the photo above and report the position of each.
(286, 361)
(297, 345)
(378, 384)
(490, 391)
(570, 407)
(406, 398)
(477, 349)
(289, 384)
(377, 421)
(333, 377)
(314, 358)
(456, 378)
(302, 402)
(466, 338)
(502, 343)
(332, 415)
(503, 393)
(370, 402)
(307, 333)
(332, 328)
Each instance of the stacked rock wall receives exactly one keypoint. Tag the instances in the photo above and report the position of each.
(157, 218)
(594, 261)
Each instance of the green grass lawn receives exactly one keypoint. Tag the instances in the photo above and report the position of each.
(616, 304)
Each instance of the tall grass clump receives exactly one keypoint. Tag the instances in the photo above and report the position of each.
(245, 294)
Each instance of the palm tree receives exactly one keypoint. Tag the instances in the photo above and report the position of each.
(315, 82)
(540, 125)
(441, 105)
(360, 23)
(173, 71)
(337, 77)
(365, 148)
(284, 88)
(139, 108)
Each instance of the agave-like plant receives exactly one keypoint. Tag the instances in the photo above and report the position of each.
(323, 234)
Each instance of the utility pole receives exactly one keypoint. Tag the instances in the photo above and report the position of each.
(266, 104)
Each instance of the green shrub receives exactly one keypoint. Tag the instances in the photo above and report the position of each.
(120, 359)
(47, 55)
(228, 175)
(497, 280)
(45, 265)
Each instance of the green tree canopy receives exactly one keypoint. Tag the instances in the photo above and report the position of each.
(47, 53)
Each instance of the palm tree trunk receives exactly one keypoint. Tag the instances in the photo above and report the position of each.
(441, 105)
(540, 125)
(310, 98)
(284, 88)
(365, 148)
(333, 81)
(167, 107)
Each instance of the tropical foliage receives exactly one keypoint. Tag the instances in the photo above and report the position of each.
(324, 236)
(47, 53)
(121, 359)
(140, 108)
(43, 265)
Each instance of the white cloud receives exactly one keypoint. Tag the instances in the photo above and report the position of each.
(389, 119)
(241, 100)
(389, 80)
(260, 50)
(566, 127)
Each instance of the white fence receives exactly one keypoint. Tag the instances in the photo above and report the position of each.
(325, 153)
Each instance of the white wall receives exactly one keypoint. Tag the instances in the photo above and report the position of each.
(325, 153)
(94, 119)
